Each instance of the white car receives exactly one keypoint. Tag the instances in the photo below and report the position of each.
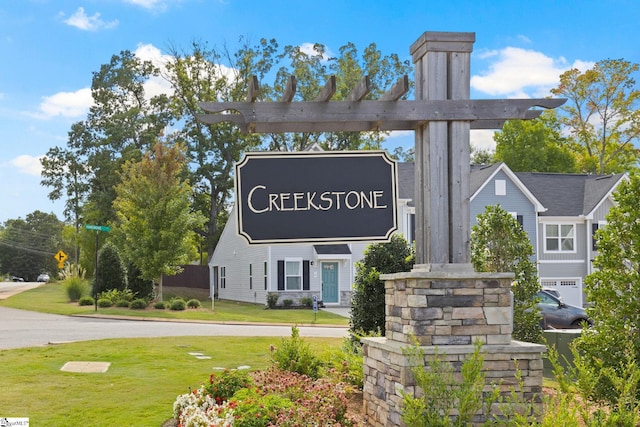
(44, 277)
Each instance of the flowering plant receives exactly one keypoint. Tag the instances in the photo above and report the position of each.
(199, 409)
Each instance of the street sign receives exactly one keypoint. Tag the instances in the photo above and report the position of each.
(97, 227)
(60, 257)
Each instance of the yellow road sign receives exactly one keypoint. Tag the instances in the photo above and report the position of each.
(60, 257)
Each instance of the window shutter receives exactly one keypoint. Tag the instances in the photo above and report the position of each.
(281, 275)
(305, 275)
(520, 219)
(594, 242)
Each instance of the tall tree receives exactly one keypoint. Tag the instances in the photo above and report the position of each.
(602, 115)
(206, 74)
(613, 289)
(534, 146)
(27, 246)
(156, 224)
(499, 244)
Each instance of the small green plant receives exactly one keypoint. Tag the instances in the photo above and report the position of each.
(115, 295)
(159, 305)
(224, 384)
(287, 302)
(178, 304)
(272, 300)
(138, 304)
(254, 409)
(295, 355)
(442, 394)
(345, 364)
(86, 300)
(193, 303)
(75, 287)
(122, 303)
(104, 303)
(306, 302)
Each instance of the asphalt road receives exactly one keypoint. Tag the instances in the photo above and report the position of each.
(20, 328)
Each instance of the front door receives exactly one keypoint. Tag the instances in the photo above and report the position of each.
(330, 282)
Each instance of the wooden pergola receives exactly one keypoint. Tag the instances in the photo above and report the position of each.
(441, 116)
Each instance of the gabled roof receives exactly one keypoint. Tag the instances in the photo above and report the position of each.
(569, 194)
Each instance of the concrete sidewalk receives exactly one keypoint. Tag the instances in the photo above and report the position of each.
(342, 311)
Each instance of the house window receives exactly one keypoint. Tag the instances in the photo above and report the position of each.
(501, 187)
(293, 275)
(559, 237)
(250, 276)
(223, 277)
(594, 229)
(265, 275)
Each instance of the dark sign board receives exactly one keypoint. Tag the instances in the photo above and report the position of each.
(316, 197)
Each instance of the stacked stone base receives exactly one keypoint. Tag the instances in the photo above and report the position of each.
(446, 311)
(387, 372)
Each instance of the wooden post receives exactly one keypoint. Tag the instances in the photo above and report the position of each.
(442, 71)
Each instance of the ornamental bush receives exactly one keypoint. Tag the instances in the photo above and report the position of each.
(178, 304)
(112, 273)
(193, 303)
(86, 300)
(138, 304)
(104, 303)
(294, 355)
(75, 287)
(224, 384)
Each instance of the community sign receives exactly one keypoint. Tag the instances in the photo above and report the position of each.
(314, 197)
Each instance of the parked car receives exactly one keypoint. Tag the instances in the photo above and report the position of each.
(553, 292)
(44, 277)
(17, 279)
(558, 315)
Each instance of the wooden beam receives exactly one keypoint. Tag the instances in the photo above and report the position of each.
(290, 90)
(252, 90)
(361, 90)
(397, 90)
(278, 117)
(327, 91)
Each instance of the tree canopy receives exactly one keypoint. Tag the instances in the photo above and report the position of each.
(156, 224)
(602, 115)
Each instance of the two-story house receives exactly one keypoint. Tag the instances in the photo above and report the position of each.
(560, 212)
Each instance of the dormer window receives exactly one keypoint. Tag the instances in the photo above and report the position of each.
(501, 187)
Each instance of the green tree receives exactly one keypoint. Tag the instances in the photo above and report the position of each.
(613, 289)
(368, 303)
(534, 146)
(156, 223)
(112, 273)
(27, 246)
(499, 244)
(602, 115)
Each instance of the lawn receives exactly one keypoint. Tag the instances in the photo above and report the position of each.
(52, 298)
(140, 386)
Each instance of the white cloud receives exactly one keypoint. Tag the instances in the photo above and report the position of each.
(308, 48)
(66, 104)
(26, 164)
(482, 139)
(89, 23)
(155, 5)
(521, 73)
(155, 85)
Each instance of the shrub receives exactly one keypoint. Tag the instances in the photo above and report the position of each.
(86, 300)
(112, 273)
(306, 302)
(116, 295)
(345, 364)
(193, 303)
(122, 303)
(287, 302)
(295, 355)
(104, 303)
(138, 304)
(75, 287)
(178, 304)
(159, 305)
(253, 409)
(140, 287)
(272, 300)
(223, 385)
(368, 305)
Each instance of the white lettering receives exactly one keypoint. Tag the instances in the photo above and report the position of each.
(250, 197)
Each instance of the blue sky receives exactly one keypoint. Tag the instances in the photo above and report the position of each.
(51, 47)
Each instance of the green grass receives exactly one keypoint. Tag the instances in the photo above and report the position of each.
(138, 390)
(52, 298)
